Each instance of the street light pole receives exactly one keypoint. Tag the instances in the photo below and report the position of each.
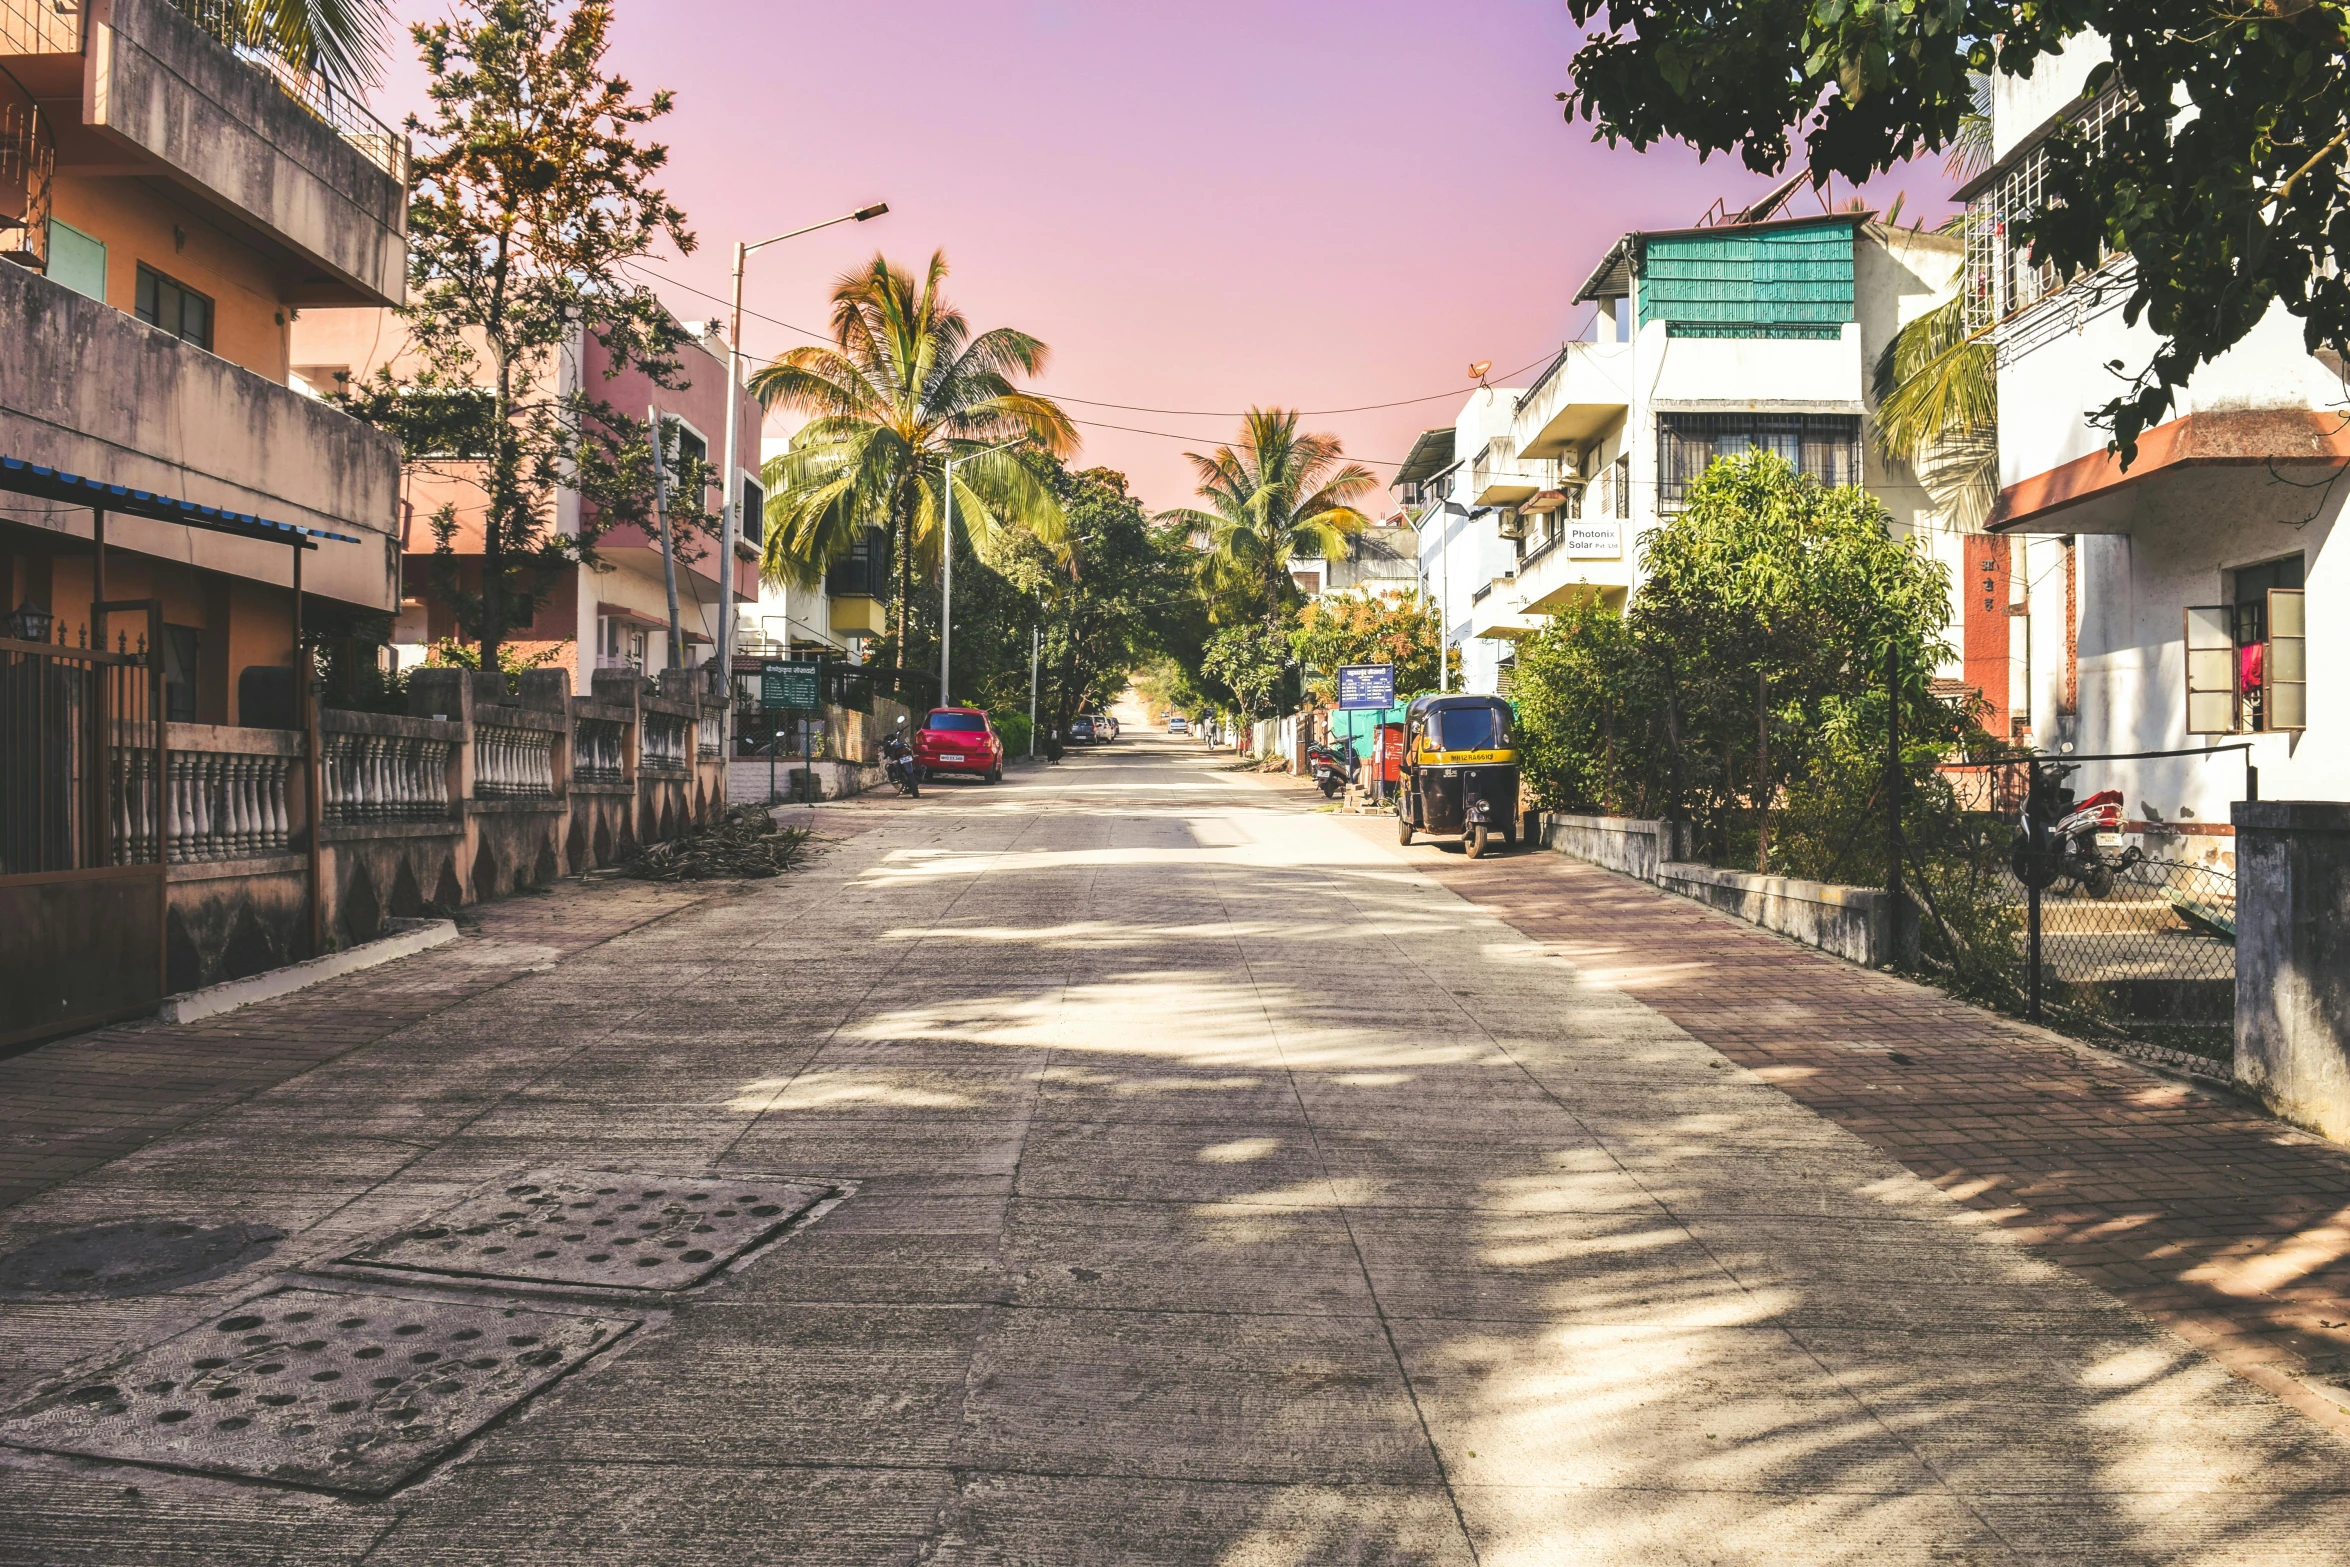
(1035, 646)
(730, 526)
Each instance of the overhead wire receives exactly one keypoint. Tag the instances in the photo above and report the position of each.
(1092, 402)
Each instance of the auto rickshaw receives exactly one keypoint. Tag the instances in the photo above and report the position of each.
(1460, 771)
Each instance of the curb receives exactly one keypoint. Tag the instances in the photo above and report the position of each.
(408, 936)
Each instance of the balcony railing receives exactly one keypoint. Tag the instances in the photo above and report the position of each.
(229, 805)
(662, 744)
(598, 750)
(229, 23)
(40, 27)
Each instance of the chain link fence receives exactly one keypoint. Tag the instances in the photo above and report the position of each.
(2048, 906)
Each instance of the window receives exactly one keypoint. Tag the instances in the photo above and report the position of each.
(77, 260)
(2000, 277)
(966, 723)
(864, 571)
(1825, 446)
(1469, 728)
(754, 521)
(181, 653)
(175, 307)
(2247, 663)
(1622, 473)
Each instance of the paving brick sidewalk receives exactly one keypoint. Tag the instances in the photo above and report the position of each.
(2203, 1214)
(75, 1103)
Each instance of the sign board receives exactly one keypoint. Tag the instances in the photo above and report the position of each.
(1366, 685)
(1595, 541)
(788, 685)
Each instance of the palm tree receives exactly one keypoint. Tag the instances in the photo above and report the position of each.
(905, 388)
(1273, 496)
(341, 40)
(1937, 386)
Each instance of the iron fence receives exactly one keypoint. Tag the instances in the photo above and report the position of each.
(78, 755)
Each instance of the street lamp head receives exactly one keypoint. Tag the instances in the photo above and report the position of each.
(874, 211)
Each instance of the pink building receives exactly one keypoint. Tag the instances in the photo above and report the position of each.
(612, 618)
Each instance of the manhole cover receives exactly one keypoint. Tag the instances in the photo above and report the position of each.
(349, 1392)
(131, 1259)
(587, 1227)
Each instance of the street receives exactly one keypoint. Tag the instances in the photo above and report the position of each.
(1210, 1183)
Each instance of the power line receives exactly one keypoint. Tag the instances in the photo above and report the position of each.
(1091, 402)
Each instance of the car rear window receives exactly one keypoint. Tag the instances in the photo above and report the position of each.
(964, 721)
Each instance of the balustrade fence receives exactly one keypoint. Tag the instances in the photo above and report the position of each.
(707, 737)
(513, 764)
(228, 805)
(386, 778)
(664, 744)
(598, 750)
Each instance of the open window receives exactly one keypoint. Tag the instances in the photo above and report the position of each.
(2247, 662)
(2211, 669)
(2285, 669)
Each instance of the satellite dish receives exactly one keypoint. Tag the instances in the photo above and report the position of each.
(1477, 370)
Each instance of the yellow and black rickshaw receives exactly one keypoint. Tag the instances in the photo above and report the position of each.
(1460, 771)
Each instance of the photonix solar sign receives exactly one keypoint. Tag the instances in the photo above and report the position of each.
(1595, 541)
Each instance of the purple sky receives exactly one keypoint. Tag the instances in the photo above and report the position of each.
(1198, 206)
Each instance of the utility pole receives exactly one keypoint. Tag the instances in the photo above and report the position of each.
(946, 594)
(661, 519)
(1035, 646)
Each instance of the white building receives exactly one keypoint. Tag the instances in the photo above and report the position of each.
(1703, 342)
(2148, 596)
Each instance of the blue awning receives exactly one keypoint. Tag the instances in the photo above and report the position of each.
(26, 478)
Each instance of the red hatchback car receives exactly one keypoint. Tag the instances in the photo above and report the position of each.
(959, 740)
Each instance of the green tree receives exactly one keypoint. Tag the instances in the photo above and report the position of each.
(906, 386)
(2223, 177)
(1749, 675)
(1397, 627)
(1937, 387)
(1272, 496)
(532, 191)
(1253, 662)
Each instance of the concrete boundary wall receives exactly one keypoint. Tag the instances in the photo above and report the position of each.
(1847, 921)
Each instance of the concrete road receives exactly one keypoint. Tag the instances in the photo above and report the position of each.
(1222, 1191)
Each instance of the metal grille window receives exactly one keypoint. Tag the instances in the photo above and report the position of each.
(175, 307)
(2000, 276)
(1824, 446)
(1621, 475)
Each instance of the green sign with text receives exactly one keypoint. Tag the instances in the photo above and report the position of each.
(787, 685)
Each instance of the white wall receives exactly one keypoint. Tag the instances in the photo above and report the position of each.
(2022, 104)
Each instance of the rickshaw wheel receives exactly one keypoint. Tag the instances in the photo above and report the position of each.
(1403, 826)
(1474, 839)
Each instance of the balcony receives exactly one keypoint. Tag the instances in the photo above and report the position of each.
(93, 391)
(1586, 389)
(1497, 478)
(164, 90)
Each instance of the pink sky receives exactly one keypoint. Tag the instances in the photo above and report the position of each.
(1198, 206)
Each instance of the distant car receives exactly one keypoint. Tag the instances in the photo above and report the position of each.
(1178, 725)
(1105, 728)
(1081, 729)
(959, 740)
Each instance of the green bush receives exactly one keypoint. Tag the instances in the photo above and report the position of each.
(1011, 726)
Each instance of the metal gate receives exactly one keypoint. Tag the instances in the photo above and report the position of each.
(81, 864)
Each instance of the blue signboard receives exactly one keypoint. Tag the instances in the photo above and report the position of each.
(1366, 685)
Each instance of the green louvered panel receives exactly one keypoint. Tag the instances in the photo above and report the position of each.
(1780, 282)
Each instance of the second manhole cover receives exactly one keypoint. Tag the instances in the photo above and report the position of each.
(596, 1228)
(347, 1392)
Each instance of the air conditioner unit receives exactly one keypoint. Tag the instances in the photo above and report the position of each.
(1513, 524)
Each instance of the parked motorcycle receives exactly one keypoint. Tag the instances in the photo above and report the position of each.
(2064, 841)
(1332, 764)
(897, 760)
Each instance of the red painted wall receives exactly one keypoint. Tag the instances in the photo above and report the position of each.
(1985, 624)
